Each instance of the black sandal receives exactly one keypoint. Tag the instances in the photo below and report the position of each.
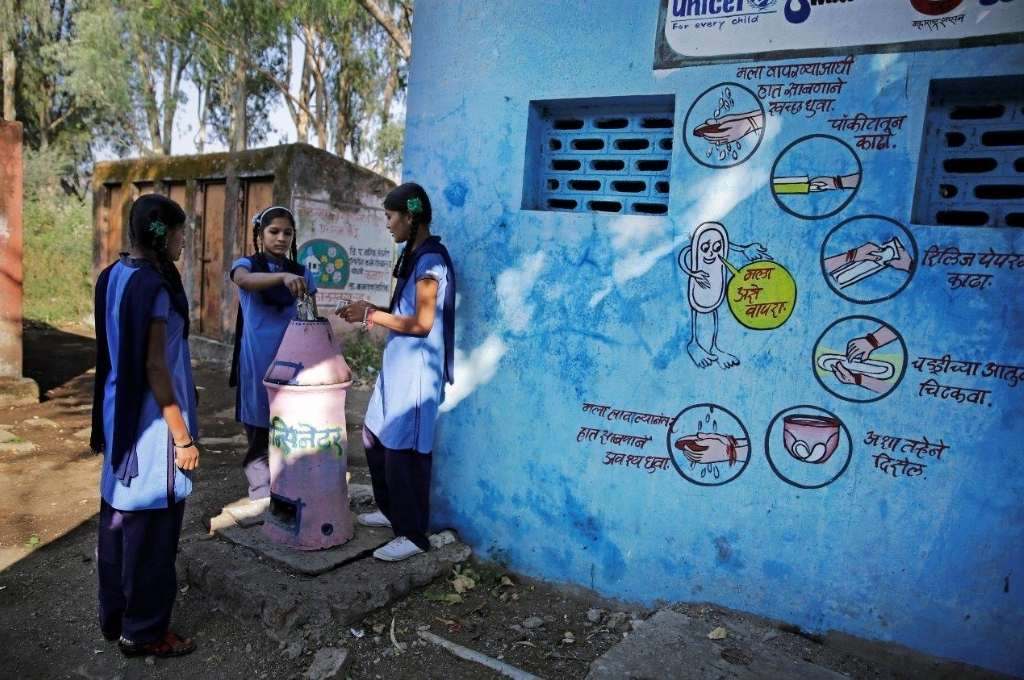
(171, 644)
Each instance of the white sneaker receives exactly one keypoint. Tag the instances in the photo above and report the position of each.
(373, 519)
(398, 549)
(251, 511)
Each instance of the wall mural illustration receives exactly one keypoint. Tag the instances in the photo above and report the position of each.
(706, 265)
(816, 176)
(868, 258)
(726, 124)
(708, 445)
(859, 358)
(807, 446)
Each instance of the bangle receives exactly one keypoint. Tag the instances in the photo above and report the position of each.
(870, 337)
(191, 442)
(858, 378)
(838, 179)
(850, 254)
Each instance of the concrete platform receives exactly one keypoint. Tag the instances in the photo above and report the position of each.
(313, 594)
(670, 645)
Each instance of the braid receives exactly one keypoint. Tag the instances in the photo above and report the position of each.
(294, 250)
(405, 259)
(256, 231)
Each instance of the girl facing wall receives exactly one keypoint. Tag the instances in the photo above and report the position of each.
(398, 431)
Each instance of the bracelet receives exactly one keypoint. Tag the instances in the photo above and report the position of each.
(839, 181)
(870, 337)
(367, 323)
(858, 378)
(191, 443)
(850, 254)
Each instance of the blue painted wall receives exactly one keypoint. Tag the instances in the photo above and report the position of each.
(557, 310)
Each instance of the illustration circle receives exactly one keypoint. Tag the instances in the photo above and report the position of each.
(762, 295)
(859, 359)
(935, 8)
(708, 445)
(816, 176)
(726, 122)
(326, 261)
(808, 446)
(868, 259)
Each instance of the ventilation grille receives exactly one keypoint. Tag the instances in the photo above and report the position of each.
(611, 159)
(971, 171)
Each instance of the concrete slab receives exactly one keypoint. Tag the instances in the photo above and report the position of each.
(251, 587)
(670, 645)
(308, 562)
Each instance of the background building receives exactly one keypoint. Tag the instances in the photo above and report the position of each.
(829, 437)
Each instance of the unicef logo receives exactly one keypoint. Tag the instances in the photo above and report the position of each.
(797, 11)
(762, 5)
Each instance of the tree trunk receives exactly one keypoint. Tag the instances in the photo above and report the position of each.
(322, 112)
(10, 65)
(203, 114)
(400, 39)
(343, 125)
(239, 119)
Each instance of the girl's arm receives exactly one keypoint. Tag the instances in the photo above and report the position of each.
(418, 324)
(246, 280)
(159, 378)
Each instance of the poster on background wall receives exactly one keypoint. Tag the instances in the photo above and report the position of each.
(693, 32)
(347, 248)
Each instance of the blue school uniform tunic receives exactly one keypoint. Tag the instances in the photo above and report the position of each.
(159, 478)
(410, 387)
(261, 336)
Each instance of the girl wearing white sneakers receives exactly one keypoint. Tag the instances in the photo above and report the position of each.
(398, 431)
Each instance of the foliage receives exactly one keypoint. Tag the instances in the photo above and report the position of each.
(57, 251)
(363, 355)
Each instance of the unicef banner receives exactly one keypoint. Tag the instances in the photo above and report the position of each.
(695, 32)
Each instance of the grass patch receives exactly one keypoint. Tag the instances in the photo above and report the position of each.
(57, 259)
(363, 355)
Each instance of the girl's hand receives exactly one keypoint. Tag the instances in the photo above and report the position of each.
(355, 312)
(187, 458)
(295, 284)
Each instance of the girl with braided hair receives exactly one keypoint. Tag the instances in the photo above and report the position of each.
(398, 431)
(144, 422)
(269, 283)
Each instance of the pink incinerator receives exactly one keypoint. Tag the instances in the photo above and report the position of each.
(306, 385)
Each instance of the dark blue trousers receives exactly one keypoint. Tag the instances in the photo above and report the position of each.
(401, 487)
(137, 581)
(257, 462)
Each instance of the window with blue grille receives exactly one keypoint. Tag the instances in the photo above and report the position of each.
(971, 167)
(610, 155)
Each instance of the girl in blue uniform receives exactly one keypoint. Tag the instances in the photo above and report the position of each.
(398, 431)
(269, 283)
(145, 423)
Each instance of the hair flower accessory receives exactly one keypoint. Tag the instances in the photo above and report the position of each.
(414, 205)
(158, 228)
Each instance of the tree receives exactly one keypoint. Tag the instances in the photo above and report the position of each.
(235, 52)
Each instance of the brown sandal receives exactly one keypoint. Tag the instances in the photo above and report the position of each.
(171, 644)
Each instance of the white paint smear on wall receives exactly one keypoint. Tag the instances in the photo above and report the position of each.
(514, 287)
(474, 369)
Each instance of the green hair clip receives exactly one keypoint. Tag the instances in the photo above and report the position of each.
(159, 231)
(414, 205)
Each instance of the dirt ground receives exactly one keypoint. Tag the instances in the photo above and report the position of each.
(48, 506)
